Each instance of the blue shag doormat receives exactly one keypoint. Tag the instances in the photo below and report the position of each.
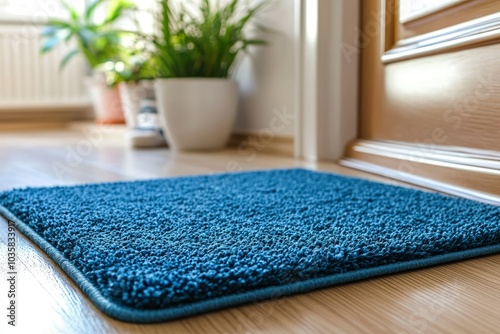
(157, 250)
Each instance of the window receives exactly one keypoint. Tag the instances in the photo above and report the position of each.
(36, 10)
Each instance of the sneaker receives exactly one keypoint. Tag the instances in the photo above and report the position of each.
(148, 132)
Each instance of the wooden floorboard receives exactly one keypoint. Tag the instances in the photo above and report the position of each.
(454, 298)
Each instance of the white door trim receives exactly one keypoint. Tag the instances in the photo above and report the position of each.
(327, 71)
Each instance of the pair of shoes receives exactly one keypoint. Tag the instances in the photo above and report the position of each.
(147, 133)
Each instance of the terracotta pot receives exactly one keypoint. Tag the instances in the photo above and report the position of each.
(106, 101)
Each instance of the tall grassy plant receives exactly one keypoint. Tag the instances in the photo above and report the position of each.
(204, 42)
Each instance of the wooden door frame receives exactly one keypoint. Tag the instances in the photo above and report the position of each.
(440, 157)
(326, 84)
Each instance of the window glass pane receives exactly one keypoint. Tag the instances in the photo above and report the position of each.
(411, 9)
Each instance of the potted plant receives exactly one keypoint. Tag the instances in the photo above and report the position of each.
(99, 42)
(197, 51)
(134, 75)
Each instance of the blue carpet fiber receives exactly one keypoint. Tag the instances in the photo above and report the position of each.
(158, 250)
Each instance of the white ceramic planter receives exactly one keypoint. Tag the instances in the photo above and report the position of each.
(197, 113)
(132, 93)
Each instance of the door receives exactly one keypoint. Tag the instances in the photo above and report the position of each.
(430, 94)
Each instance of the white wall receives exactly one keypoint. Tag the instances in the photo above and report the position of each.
(327, 114)
(267, 77)
(339, 71)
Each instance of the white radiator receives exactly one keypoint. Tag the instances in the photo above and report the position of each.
(30, 80)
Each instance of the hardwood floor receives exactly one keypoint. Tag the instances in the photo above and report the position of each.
(454, 298)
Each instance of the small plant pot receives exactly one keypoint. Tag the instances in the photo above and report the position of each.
(106, 101)
(132, 93)
(197, 113)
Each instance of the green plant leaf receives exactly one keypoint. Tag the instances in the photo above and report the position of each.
(72, 11)
(58, 23)
(67, 57)
(255, 42)
(49, 31)
(91, 7)
(116, 9)
(86, 37)
(50, 43)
